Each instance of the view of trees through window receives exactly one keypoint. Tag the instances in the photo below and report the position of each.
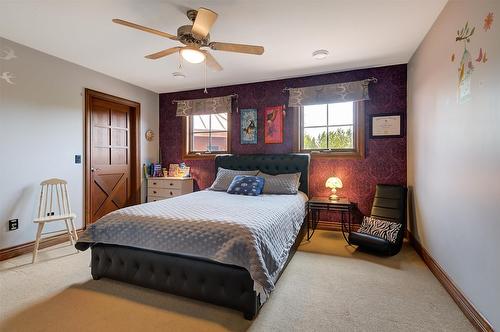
(328, 126)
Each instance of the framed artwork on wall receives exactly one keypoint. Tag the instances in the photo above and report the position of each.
(248, 126)
(386, 125)
(273, 126)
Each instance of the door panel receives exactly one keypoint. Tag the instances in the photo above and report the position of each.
(109, 157)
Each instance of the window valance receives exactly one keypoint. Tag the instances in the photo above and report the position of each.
(204, 106)
(330, 93)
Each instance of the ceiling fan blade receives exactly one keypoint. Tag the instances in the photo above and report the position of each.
(163, 53)
(203, 22)
(143, 28)
(211, 62)
(238, 48)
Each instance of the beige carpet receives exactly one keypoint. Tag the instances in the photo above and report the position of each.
(328, 286)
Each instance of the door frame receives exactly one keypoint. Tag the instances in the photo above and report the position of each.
(135, 147)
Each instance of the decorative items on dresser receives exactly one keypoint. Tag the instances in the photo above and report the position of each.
(167, 187)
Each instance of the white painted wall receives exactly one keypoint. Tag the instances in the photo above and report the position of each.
(454, 154)
(42, 128)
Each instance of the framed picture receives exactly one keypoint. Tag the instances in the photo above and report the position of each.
(273, 126)
(386, 125)
(248, 126)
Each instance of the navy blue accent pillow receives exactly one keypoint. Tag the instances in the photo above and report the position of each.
(246, 185)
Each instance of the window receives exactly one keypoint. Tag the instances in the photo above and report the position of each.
(335, 129)
(207, 134)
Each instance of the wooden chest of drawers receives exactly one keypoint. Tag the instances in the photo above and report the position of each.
(168, 187)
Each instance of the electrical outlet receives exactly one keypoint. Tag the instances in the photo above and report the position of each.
(13, 224)
(50, 214)
(78, 159)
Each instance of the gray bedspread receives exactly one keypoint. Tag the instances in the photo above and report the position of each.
(255, 233)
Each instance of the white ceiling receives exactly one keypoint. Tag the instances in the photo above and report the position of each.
(357, 33)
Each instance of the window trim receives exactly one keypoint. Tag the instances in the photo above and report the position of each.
(186, 154)
(357, 152)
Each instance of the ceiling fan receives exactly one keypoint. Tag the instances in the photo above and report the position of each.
(196, 37)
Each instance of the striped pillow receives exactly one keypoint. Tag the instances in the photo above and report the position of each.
(380, 228)
(226, 176)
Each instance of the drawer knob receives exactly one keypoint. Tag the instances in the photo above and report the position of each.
(171, 193)
(154, 183)
(154, 192)
(171, 184)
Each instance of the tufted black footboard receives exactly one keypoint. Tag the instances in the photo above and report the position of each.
(225, 285)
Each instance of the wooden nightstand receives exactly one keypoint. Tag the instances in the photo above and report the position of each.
(343, 206)
(168, 187)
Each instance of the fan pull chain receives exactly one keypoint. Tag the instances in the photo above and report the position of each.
(205, 76)
(180, 61)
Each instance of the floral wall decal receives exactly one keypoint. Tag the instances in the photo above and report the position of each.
(481, 56)
(465, 33)
(488, 21)
(465, 67)
(467, 62)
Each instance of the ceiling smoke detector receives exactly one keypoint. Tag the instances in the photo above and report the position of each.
(320, 54)
(178, 75)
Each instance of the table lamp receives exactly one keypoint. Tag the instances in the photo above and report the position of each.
(333, 183)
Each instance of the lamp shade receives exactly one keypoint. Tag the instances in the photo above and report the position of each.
(333, 182)
(192, 55)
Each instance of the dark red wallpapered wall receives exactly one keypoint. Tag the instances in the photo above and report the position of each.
(385, 160)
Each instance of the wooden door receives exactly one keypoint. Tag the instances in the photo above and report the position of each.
(112, 167)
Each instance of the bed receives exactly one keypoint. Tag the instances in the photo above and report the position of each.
(224, 249)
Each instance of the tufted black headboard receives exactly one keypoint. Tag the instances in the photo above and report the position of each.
(269, 163)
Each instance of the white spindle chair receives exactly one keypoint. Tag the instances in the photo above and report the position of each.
(54, 206)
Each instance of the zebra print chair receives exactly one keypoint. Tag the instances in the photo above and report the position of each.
(389, 204)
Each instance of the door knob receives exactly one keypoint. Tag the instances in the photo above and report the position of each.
(94, 169)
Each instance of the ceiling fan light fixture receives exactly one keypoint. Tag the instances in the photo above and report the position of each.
(195, 37)
(320, 54)
(192, 55)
